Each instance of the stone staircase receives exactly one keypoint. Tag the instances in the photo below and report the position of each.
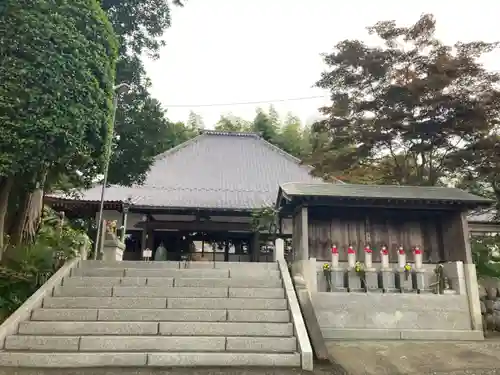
(159, 314)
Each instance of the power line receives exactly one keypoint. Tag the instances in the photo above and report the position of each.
(244, 103)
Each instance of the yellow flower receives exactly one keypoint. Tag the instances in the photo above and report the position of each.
(407, 267)
(326, 266)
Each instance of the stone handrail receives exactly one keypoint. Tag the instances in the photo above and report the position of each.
(304, 344)
(23, 313)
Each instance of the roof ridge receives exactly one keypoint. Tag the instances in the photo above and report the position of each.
(230, 133)
(178, 147)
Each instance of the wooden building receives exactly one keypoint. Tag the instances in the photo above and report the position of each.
(203, 191)
(433, 218)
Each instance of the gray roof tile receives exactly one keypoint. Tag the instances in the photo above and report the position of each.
(391, 192)
(214, 170)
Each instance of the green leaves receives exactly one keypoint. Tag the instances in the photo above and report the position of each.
(410, 107)
(57, 68)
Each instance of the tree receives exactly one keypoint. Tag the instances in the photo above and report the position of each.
(195, 122)
(291, 138)
(55, 99)
(232, 123)
(142, 129)
(264, 125)
(415, 107)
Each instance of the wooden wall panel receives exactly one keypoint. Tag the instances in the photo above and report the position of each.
(374, 229)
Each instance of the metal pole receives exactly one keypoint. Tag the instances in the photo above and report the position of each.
(105, 181)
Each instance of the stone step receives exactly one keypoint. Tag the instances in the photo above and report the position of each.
(151, 291)
(150, 344)
(174, 265)
(228, 303)
(240, 282)
(225, 329)
(156, 315)
(139, 291)
(160, 303)
(169, 272)
(127, 359)
(153, 328)
(88, 328)
(104, 302)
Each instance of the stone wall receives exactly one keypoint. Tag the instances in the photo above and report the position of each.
(489, 295)
(373, 316)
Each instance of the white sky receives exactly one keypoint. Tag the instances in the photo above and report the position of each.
(231, 51)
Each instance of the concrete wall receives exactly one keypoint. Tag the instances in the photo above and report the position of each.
(393, 316)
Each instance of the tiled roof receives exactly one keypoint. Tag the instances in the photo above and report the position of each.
(219, 170)
(386, 192)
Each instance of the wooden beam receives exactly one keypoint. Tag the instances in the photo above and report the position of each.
(197, 226)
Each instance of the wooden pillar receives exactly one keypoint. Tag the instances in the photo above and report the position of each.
(300, 235)
(456, 239)
(255, 247)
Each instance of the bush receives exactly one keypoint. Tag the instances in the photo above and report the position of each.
(32, 265)
(486, 255)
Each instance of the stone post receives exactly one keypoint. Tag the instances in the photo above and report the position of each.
(279, 249)
(113, 250)
(388, 275)
(337, 272)
(371, 277)
(353, 280)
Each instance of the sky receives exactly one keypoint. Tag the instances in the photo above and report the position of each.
(220, 53)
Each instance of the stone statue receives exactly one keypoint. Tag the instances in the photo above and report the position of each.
(161, 253)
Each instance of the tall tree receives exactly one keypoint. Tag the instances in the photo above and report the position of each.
(264, 125)
(142, 128)
(55, 99)
(195, 121)
(232, 123)
(416, 107)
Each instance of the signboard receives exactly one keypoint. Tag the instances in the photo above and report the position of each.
(147, 253)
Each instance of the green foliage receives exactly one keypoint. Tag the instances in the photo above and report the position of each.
(265, 219)
(33, 264)
(416, 108)
(55, 96)
(486, 255)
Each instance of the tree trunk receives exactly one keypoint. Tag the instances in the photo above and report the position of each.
(27, 220)
(5, 188)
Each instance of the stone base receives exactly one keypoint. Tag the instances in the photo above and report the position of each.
(354, 282)
(371, 278)
(388, 281)
(112, 251)
(404, 282)
(421, 281)
(338, 280)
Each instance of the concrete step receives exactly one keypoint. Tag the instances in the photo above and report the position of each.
(240, 282)
(151, 291)
(139, 291)
(153, 328)
(225, 329)
(160, 303)
(156, 315)
(174, 265)
(104, 303)
(127, 359)
(150, 344)
(228, 303)
(88, 328)
(170, 272)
